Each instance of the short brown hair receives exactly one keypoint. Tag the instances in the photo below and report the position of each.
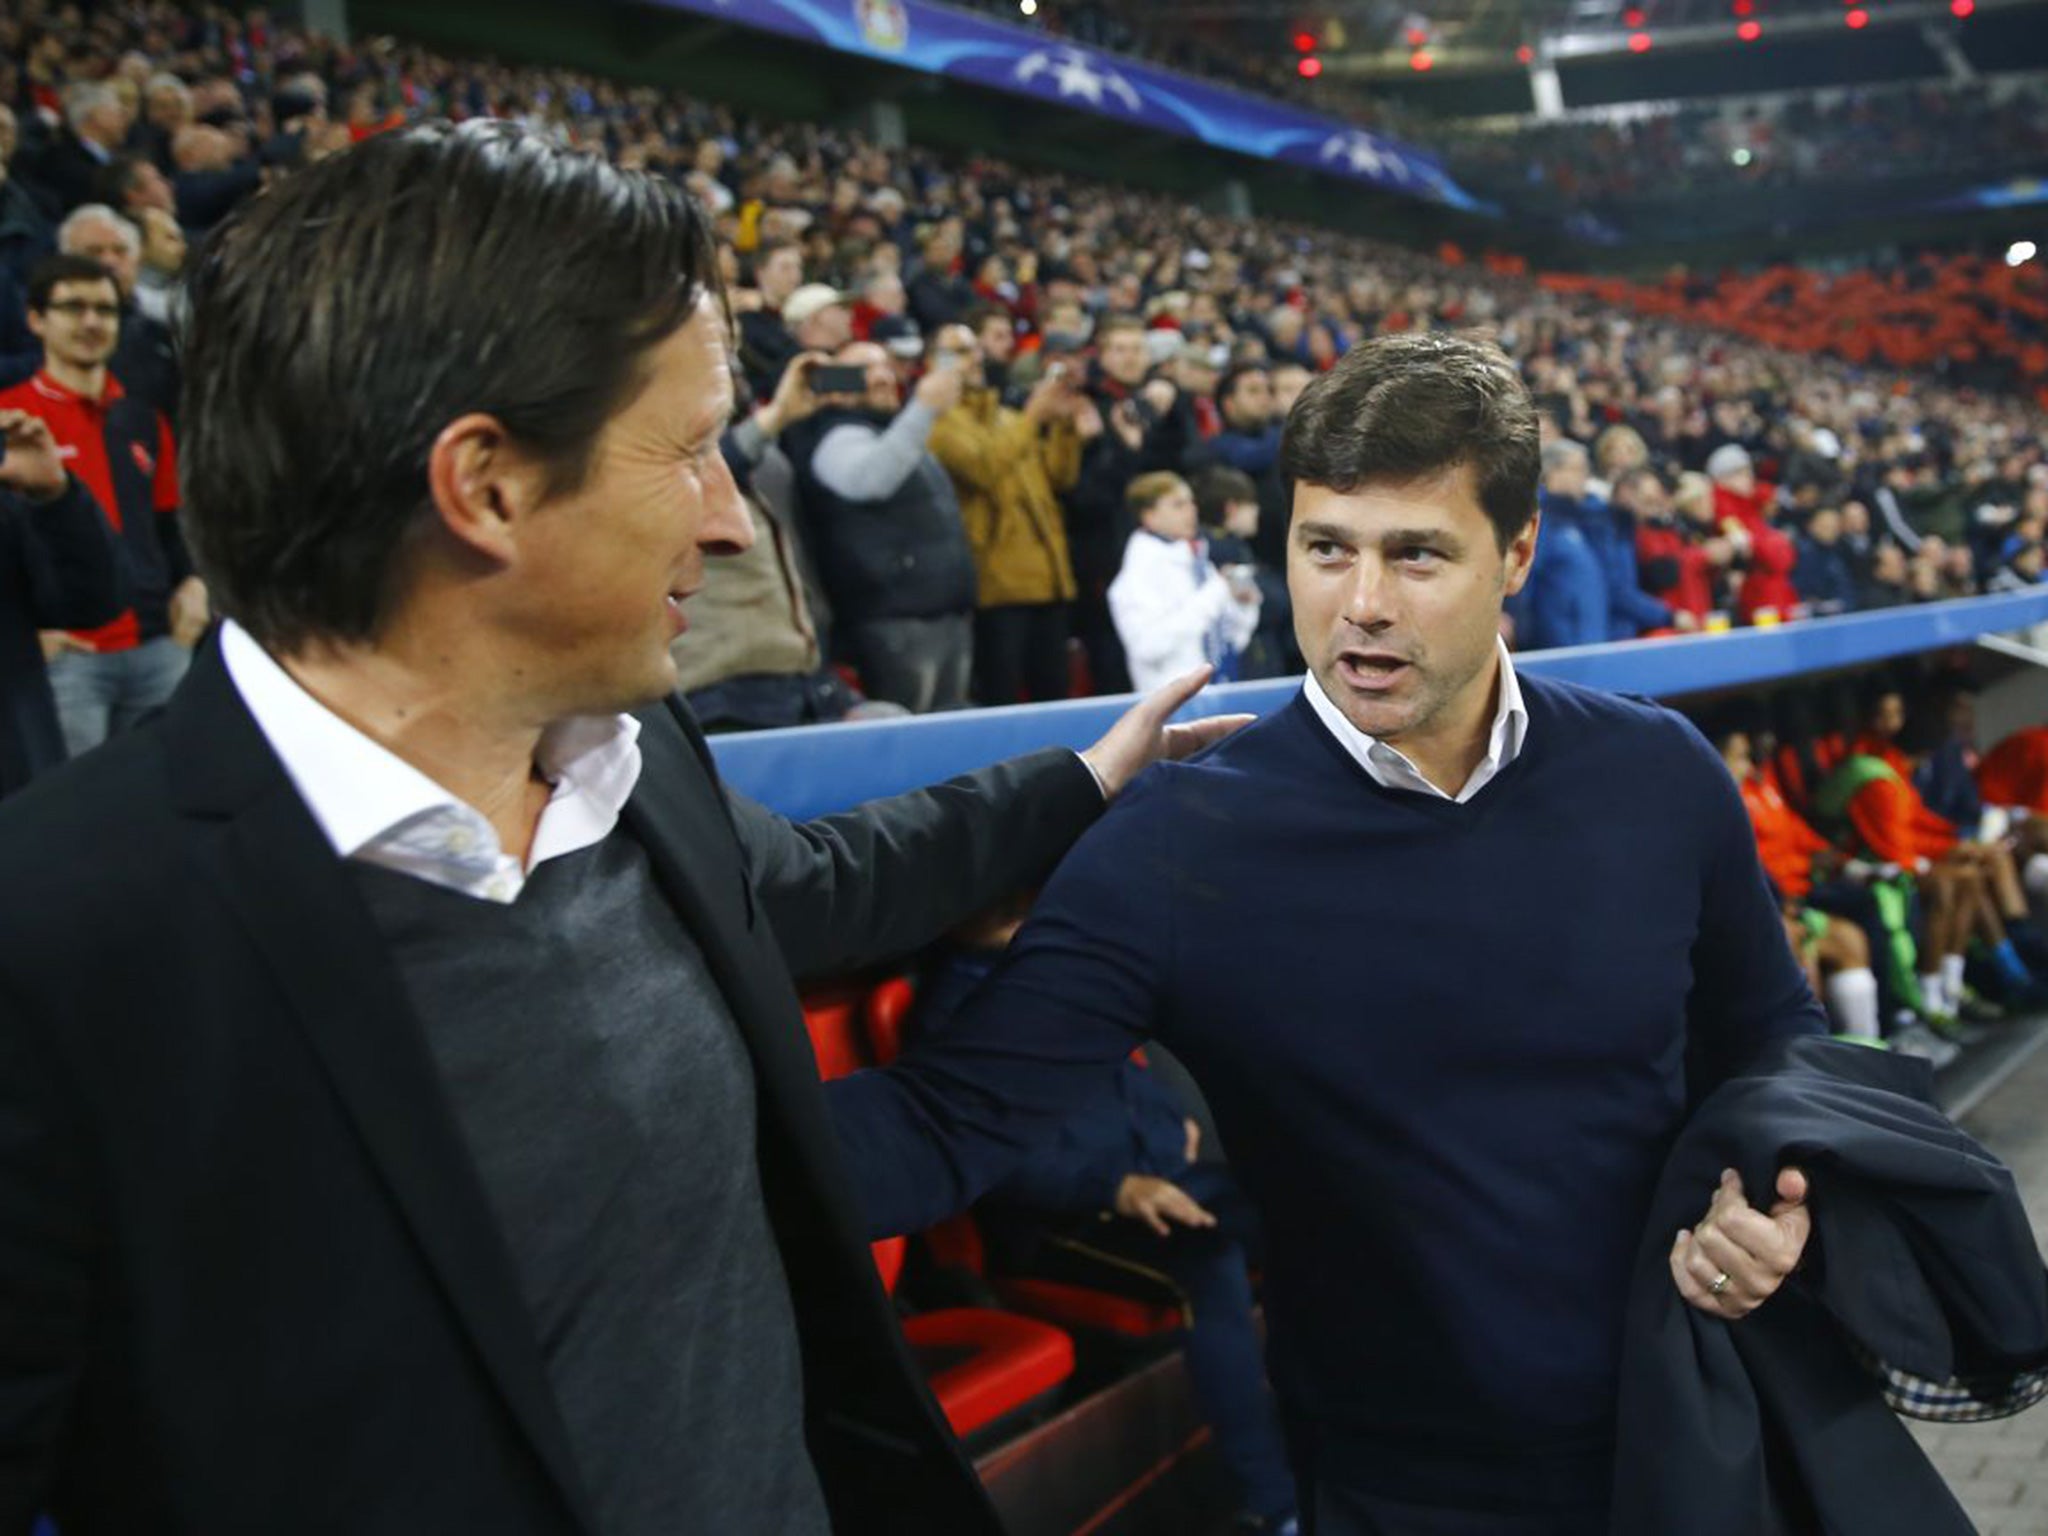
(343, 318)
(1143, 493)
(1402, 408)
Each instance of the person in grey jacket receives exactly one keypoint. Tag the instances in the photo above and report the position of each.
(883, 521)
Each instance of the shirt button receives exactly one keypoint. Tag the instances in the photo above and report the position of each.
(460, 840)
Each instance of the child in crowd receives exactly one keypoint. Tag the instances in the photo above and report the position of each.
(1172, 607)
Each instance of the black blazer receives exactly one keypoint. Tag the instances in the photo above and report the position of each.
(1922, 1283)
(248, 1278)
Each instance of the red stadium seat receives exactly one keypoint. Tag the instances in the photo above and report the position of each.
(982, 1365)
(1135, 1307)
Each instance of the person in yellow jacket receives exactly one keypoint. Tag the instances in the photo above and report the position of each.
(1009, 467)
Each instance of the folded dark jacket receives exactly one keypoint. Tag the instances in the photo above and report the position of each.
(1922, 1292)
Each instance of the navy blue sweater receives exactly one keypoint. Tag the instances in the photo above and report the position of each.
(1447, 1045)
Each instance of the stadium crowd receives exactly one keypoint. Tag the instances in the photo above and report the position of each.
(988, 412)
(999, 408)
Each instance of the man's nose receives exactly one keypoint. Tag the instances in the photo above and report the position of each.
(1368, 603)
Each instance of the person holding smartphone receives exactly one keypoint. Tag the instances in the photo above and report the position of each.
(884, 523)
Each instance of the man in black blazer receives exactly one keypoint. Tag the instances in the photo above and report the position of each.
(406, 1119)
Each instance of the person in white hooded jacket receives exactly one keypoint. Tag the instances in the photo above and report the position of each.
(1172, 607)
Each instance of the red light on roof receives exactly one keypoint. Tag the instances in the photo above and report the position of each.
(1304, 42)
(1639, 42)
(1750, 31)
(1743, 7)
(1857, 20)
(1525, 54)
(1632, 18)
(1421, 61)
(1417, 37)
(1308, 69)
(1962, 8)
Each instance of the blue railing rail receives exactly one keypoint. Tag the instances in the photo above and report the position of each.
(816, 769)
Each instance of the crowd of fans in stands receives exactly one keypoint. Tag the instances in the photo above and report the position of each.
(1935, 129)
(992, 409)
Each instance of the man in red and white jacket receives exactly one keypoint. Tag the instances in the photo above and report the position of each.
(105, 679)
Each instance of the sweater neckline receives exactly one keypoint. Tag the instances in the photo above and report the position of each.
(1475, 812)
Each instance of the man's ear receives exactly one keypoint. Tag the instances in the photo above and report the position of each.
(483, 485)
(1521, 554)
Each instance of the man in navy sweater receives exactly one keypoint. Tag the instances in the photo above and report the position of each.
(1450, 951)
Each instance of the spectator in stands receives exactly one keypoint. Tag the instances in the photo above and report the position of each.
(995, 332)
(1250, 441)
(939, 294)
(108, 678)
(1229, 506)
(26, 234)
(765, 343)
(1289, 380)
(1611, 531)
(133, 185)
(1137, 440)
(1822, 574)
(145, 359)
(66, 173)
(157, 282)
(1616, 451)
(1135, 1155)
(1566, 599)
(884, 523)
(1675, 566)
(166, 107)
(210, 175)
(1890, 578)
(2022, 564)
(59, 566)
(1418, 753)
(1173, 608)
(753, 657)
(1009, 468)
(1745, 510)
(485, 987)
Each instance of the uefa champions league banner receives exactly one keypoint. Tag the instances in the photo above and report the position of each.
(963, 46)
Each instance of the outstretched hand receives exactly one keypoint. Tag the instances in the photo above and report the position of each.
(1142, 736)
(1737, 1257)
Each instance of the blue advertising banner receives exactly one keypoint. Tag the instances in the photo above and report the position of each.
(941, 41)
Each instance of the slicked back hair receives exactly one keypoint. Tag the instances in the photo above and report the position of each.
(1398, 409)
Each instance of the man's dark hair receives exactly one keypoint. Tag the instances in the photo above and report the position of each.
(341, 320)
(52, 271)
(974, 319)
(1397, 409)
(119, 179)
(1632, 479)
(772, 246)
(1235, 375)
(1217, 487)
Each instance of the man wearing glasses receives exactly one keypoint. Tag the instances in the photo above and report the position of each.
(120, 449)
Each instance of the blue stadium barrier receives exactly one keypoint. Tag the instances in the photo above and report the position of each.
(812, 770)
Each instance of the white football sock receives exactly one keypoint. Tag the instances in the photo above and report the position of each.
(1852, 999)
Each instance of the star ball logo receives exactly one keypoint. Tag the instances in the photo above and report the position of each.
(1075, 74)
(884, 23)
(1364, 156)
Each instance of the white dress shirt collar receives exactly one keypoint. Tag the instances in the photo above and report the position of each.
(376, 807)
(1390, 768)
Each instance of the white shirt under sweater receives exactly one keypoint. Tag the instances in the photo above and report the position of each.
(1173, 610)
(1390, 768)
(376, 807)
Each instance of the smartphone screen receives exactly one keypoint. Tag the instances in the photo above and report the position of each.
(839, 379)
